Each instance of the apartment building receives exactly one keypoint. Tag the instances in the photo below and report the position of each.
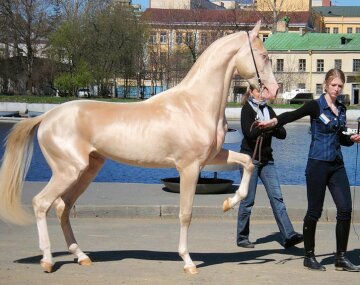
(339, 19)
(301, 60)
(177, 35)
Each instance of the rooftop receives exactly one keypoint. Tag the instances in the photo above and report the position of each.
(313, 41)
(229, 17)
(338, 11)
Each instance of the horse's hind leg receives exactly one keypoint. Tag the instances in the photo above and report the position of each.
(64, 204)
(231, 157)
(42, 202)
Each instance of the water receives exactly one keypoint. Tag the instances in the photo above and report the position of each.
(290, 159)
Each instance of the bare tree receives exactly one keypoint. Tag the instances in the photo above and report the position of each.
(28, 23)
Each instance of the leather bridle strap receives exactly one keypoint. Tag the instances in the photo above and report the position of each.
(253, 57)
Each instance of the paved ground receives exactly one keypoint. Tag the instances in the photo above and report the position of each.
(144, 251)
(131, 233)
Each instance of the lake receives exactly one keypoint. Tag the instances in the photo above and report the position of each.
(290, 159)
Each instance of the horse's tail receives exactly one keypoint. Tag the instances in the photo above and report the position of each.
(15, 164)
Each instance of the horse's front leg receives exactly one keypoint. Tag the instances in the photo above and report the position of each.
(188, 180)
(231, 157)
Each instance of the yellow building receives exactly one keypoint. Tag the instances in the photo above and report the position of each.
(283, 5)
(339, 19)
(178, 36)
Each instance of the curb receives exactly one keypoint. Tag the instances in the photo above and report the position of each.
(199, 212)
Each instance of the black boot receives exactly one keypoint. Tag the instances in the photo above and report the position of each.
(309, 229)
(342, 237)
(311, 263)
(342, 263)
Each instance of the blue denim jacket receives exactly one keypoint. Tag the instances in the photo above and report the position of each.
(325, 131)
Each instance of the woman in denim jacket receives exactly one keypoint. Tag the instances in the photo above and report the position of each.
(325, 167)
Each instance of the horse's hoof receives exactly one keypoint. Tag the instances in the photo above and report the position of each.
(46, 266)
(85, 262)
(191, 270)
(226, 205)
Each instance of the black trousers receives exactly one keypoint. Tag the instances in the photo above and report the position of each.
(321, 174)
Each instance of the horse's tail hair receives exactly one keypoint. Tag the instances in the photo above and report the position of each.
(15, 164)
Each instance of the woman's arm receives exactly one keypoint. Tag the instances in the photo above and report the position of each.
(309, 109)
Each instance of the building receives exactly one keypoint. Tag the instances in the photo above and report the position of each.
(178, 36)
(183, 4)
(301, 60)
(339, 19)
(316, 3)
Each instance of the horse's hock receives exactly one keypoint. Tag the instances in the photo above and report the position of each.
(212, 185)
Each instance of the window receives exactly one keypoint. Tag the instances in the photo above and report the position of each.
(356, 65)
(320, 65)
(204, 39)
(335, 30)
(189, 37)
(265, 37)
(163, 38)
(280, 65)
(214, 36)
(301, 85)
(327, 30)
(302, 65)
(319, 88)
(152, 38)
(178, 38)
(358, 30)
(349, 30)
(337, 63)
(163, 56)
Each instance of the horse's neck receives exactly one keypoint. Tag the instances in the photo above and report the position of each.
(209, 79)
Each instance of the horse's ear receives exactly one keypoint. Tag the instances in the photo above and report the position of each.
(255, 31)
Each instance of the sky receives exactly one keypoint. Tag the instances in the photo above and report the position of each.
(145, 3)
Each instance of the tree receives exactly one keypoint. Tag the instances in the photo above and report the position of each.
(28, 23)
(109, 40)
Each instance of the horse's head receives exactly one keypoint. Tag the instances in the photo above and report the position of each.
(253, 63)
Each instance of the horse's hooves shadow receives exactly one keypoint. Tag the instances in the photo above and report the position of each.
(252, 256)
(36, 260)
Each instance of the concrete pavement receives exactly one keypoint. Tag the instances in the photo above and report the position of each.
(144, 251)
(130, 231)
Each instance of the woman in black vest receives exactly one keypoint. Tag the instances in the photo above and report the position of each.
(325, 167)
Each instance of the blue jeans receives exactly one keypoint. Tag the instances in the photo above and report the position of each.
(268, 175)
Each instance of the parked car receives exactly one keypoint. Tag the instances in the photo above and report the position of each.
(83, 92)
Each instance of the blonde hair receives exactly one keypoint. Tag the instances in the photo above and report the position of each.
(245, 96)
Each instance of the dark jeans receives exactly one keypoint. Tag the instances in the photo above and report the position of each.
(268, 175)
(320, 174)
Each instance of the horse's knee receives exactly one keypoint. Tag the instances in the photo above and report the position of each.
(249, 165)
(185, 219)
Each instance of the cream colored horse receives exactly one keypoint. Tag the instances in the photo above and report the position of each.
(183, 127)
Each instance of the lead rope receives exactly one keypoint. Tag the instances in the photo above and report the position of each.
(258, 144)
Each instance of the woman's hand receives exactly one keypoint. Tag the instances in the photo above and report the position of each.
(267, 124)
(355, 138)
